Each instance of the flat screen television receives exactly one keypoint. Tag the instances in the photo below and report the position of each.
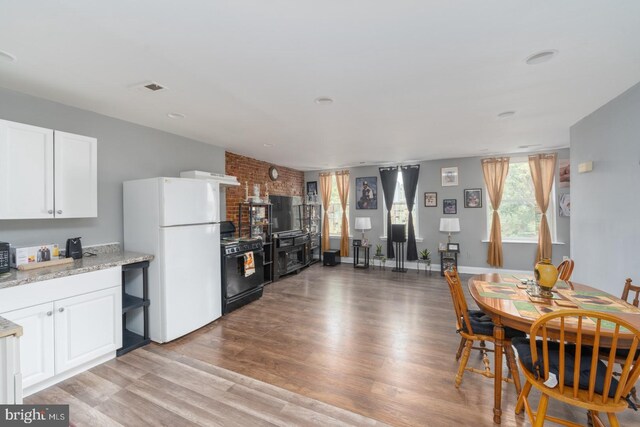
(285, 212)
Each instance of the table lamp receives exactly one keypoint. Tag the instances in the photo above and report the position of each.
(449, 225)
(363, 224)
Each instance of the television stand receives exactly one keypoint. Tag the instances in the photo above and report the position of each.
(291, 252)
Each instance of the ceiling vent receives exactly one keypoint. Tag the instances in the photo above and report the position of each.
(154, 87)
(149, 86)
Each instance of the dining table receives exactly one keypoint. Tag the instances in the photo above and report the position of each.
(505, 298)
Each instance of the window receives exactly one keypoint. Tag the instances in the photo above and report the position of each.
(399, 210)
(519, 214)
(335, 210)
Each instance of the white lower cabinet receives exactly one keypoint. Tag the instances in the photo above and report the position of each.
(36, 343)
(67, 335)
(86, 327)
(10, 375)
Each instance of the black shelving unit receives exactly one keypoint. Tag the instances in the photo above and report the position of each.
(131, 340)
(259, 224)
(312, 223)
(448, 260)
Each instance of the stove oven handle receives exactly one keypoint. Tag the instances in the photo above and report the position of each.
(254, 252)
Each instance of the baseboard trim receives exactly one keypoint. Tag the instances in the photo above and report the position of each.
(412, 265)
(67, 374)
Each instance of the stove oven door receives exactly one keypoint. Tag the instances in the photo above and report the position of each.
(236, 282)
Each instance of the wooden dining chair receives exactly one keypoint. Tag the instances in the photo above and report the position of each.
(475, 326)
(628, 287)
(621, 355)
(581, 379)
(565, 269)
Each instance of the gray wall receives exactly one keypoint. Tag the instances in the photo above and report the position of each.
(517, 256)
(125, 151)
(605, 223)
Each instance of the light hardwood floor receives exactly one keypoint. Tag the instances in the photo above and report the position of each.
(371, 342)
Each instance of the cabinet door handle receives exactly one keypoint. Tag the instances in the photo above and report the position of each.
(50, 211)
(49, 313)
(59, 211)
(61, 309)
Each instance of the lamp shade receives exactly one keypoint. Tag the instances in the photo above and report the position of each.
(449, 225)
(363, 223)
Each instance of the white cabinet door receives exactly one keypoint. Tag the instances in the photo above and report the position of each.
(36, 343)
(76, 176)
(26, 171)
(87, 326)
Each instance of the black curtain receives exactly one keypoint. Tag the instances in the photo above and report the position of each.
(410, 180)
(389, 178)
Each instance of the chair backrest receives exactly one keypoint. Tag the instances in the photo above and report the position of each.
(628, 287)
(568, 324)
(459, 301)
(565, 269)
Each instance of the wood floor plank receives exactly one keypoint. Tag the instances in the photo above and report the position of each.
(130, 409)
(328, 346)
(194, 406)
(89, 387)
(80, 413)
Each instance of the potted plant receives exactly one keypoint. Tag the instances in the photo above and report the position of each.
(425, 254)
(378, 250)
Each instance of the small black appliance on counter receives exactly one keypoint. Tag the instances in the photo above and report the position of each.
(74, 248)
(4, 257)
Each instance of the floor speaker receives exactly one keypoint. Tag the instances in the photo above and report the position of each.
(397, 233)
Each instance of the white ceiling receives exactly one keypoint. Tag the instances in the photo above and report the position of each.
(412, 80)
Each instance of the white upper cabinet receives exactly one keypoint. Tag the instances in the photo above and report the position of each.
(26, 171)
(46, 174)
(76, 176)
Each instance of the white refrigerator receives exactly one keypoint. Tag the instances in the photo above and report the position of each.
(177, 220)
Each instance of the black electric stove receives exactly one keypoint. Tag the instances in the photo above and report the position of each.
(239, 289)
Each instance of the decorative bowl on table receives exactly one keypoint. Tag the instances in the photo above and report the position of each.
(546, 276)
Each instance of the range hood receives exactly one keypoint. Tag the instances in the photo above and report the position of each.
(224, 180)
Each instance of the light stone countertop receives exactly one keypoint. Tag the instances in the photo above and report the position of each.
(79, 266)
(8, 328)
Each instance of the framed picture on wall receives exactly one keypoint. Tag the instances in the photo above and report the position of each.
(473, 198)
(450, 206)
(564, 204)
(430, 200)
(449, 177)
(312, 187)
(367, 192)
(565, 173)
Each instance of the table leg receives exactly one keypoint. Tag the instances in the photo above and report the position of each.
(498, 334)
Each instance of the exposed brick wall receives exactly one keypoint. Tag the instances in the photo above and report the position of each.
(290, 182)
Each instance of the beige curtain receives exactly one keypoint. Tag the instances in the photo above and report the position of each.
(325, 193)
(495, 172)
(543, 170)
(342, 182)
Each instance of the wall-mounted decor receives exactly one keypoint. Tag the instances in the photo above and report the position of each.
(312, 187)
(273, 173)
(449, 177)
(473, 198)
(564, 204)
(430, 200)
(367, 193)
(565, 173)
(450, 206)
